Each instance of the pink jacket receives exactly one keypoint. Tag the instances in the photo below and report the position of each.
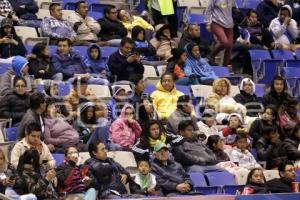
(60, 133)
(123, 133)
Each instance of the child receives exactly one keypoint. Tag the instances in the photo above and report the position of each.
(94, 61)
(144, 179)
(142, 46)
(255, 182)
(216, 144)
(234, 127)
(115, 105)
(208, 123)
(241, 155)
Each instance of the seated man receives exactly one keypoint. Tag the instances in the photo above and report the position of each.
(193, 154)
(32, 140)
(184, 111)
(86, 27)
(170, 175)
(284, 183)
(110, 176)
(123, 62)
(55, 27)
(112, 29)
(70, 63)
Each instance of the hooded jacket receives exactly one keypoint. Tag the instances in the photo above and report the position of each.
(267, 11)
(41, 62)
(165, 102)
(198, 66)
(162, 44)
(95, 65)
(18, 63)
(144, 48)
(282, 33)
(118, 66)
(59, 133)
(56, 29)
(291, 146)
(123, 133)
(14, 106)
(69, 65)
(279, 185)
(246, 98)
(193, 152)
(111, 29)
(9, 50)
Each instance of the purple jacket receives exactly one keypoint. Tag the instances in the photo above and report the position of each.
(59, 133)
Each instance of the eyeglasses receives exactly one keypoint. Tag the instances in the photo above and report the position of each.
(20, 86)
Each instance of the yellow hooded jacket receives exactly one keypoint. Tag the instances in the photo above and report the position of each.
(164, 102)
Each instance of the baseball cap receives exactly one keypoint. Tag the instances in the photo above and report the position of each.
(160, 146)
(6, 22)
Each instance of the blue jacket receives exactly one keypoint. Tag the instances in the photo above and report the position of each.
(28, 11)
(69, 65)
(95, 65)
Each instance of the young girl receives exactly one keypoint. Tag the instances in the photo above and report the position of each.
(125, 131)
(198, 66)
(31, 180)
(176, 65)
(85, 124)
(142, 46)
(241, 155)
(234, 128)
(15, 104)
(208, 124)
(289, 116)
(216, 144)
(165, 96)
(73, 178)
(145, 180)
(255, 182)
(152, 134)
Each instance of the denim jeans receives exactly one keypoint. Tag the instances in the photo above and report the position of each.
(187, 81)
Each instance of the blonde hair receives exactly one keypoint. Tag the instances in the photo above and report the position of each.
(3, 154)
(218, 82)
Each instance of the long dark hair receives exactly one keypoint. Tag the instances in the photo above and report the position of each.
(30, 156)
(211, 140)
(144, 139)
(38, 48)
(251, 173)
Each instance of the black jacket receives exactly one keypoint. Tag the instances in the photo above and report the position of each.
(291, 147)
(245, 98)
(257, 188)
(221, 156)
(111, 29)
(267, 11)
(25, 9)
(9, 50)
(279, 185)
(273, 154)
(203, 45)
(108, 175)
(168, 177)
(29, 117)
(14, 106)
(193, 152)
(257, 129)
(37, 64)
(118, 66)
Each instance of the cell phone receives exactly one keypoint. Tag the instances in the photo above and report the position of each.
(12, 177)
(10, 36)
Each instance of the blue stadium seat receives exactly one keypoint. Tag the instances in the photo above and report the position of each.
(95, 15)
(260, 90)
(257, 57)
(107, 51)
(82, 50)
(200, 185)
(149, 89)
(68, 4)
(28, 48)
(258, 54)
(292, 76)
(52, 49)
(141, 7)
(4, 67)
(11, 134)
(59, 158)
(287, 56)
(232, 189)
(220, 178)
(196, 19)
(254, 153)
(298, 54)
(64, 89)
(184, 89)
(97, 7)
(251, 4)
(269, 69)
(224, 73)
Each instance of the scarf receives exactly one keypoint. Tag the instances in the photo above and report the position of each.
(153, 142)
(145, 180)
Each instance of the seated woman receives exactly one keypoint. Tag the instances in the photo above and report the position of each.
(195, 65)
(164, 41)
(30, 178)
(248, 98)
(15, 104)
(73, 178)
(125, 130)
(216, 144)
(291, 145)
(142, 46)
(10, 43)
(255, 182)
(176, 65)
(130, 21)
(39, 64)
(288, 116)
(165, 96)
(152, 134)
(220, 99)
(58, 132)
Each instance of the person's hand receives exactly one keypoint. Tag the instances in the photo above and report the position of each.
(138, 58)
(15, 42)
(182, 188)
(42, 71)
(124, 178)
(51, 147)
(131, 58)
(6, 40)
(87, 181)
(51, 174)
(208, 27)
(287, 20)
(8, 182)
(151, 190)
(103, 72)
